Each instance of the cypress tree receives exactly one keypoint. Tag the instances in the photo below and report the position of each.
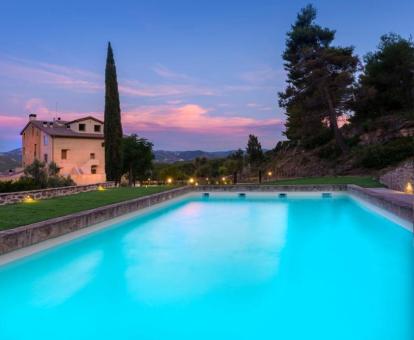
(112, 126)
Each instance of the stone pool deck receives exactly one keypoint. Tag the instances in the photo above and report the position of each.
(399, 204)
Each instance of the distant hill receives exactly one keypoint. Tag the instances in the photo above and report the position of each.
(10, 159)
(162, 156)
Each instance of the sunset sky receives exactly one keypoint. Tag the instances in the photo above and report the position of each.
(192, 74)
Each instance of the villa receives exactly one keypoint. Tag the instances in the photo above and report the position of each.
(77, 147)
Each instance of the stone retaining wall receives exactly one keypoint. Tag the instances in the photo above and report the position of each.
(16, 197)
(24, 236)
(398, 178)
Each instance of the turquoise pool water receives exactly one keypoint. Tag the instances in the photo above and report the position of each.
(221, 268)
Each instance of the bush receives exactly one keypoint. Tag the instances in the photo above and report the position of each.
(383, 155)
(37, 176)
(23, 184)
(59, 181)
(330, 152)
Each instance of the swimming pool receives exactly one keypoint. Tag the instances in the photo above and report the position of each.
(221, 267)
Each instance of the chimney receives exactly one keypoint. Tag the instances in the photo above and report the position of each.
(32, 116)
(58, 118)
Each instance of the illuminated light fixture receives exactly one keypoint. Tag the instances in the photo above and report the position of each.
(269, 173)
(196, 184)
(101, 188)
(29, 199)
(223, 179)
(169, 180)
(191, 180)
(409, 188)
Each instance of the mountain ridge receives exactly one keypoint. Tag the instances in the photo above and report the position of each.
(12, 159)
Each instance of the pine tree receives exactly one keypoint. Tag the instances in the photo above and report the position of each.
(320, 81)
(112, 127)
(254, 155)
(387, 84)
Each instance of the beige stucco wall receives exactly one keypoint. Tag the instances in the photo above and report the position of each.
(31, 138)
(78, 163)
(78, 160)
(89, 126)
(46, 147)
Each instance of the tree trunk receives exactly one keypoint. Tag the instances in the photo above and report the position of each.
(130, 176)
(260, 176)
(339, 139)
(235, 177)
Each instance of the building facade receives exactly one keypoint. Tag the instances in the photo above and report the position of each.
(77, 147)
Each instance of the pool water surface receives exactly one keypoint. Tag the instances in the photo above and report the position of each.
(221, 267)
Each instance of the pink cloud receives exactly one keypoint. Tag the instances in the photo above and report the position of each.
(190, 117)
(79, 80)
(49, 74)
(165, 72)
(191, 125)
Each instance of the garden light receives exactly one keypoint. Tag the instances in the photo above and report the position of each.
(29, 199)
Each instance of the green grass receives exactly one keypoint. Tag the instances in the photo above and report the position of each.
(363, 181)
(15, 215)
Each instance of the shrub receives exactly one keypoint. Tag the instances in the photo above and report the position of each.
(382, 155)
(37, 176)
(330, 152)
(23, 184)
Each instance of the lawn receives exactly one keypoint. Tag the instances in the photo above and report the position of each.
(15, 215)
(363, 181)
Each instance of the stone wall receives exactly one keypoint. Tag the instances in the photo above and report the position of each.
(24, 236)
(16, 197)
(398, 178)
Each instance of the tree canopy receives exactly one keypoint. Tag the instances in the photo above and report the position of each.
(137, 158)
(387, 84)
(320, 78)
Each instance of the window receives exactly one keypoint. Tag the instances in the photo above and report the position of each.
(97, 128)
(35, 149)
(64, 154)
(92, 155)
(81, 127)
(45, 157)
(93, 169)
(45, 140)
(103, 144)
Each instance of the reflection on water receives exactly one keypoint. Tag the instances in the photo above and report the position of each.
(58, 285)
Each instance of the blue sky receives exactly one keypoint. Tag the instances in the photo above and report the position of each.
(192, 74)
